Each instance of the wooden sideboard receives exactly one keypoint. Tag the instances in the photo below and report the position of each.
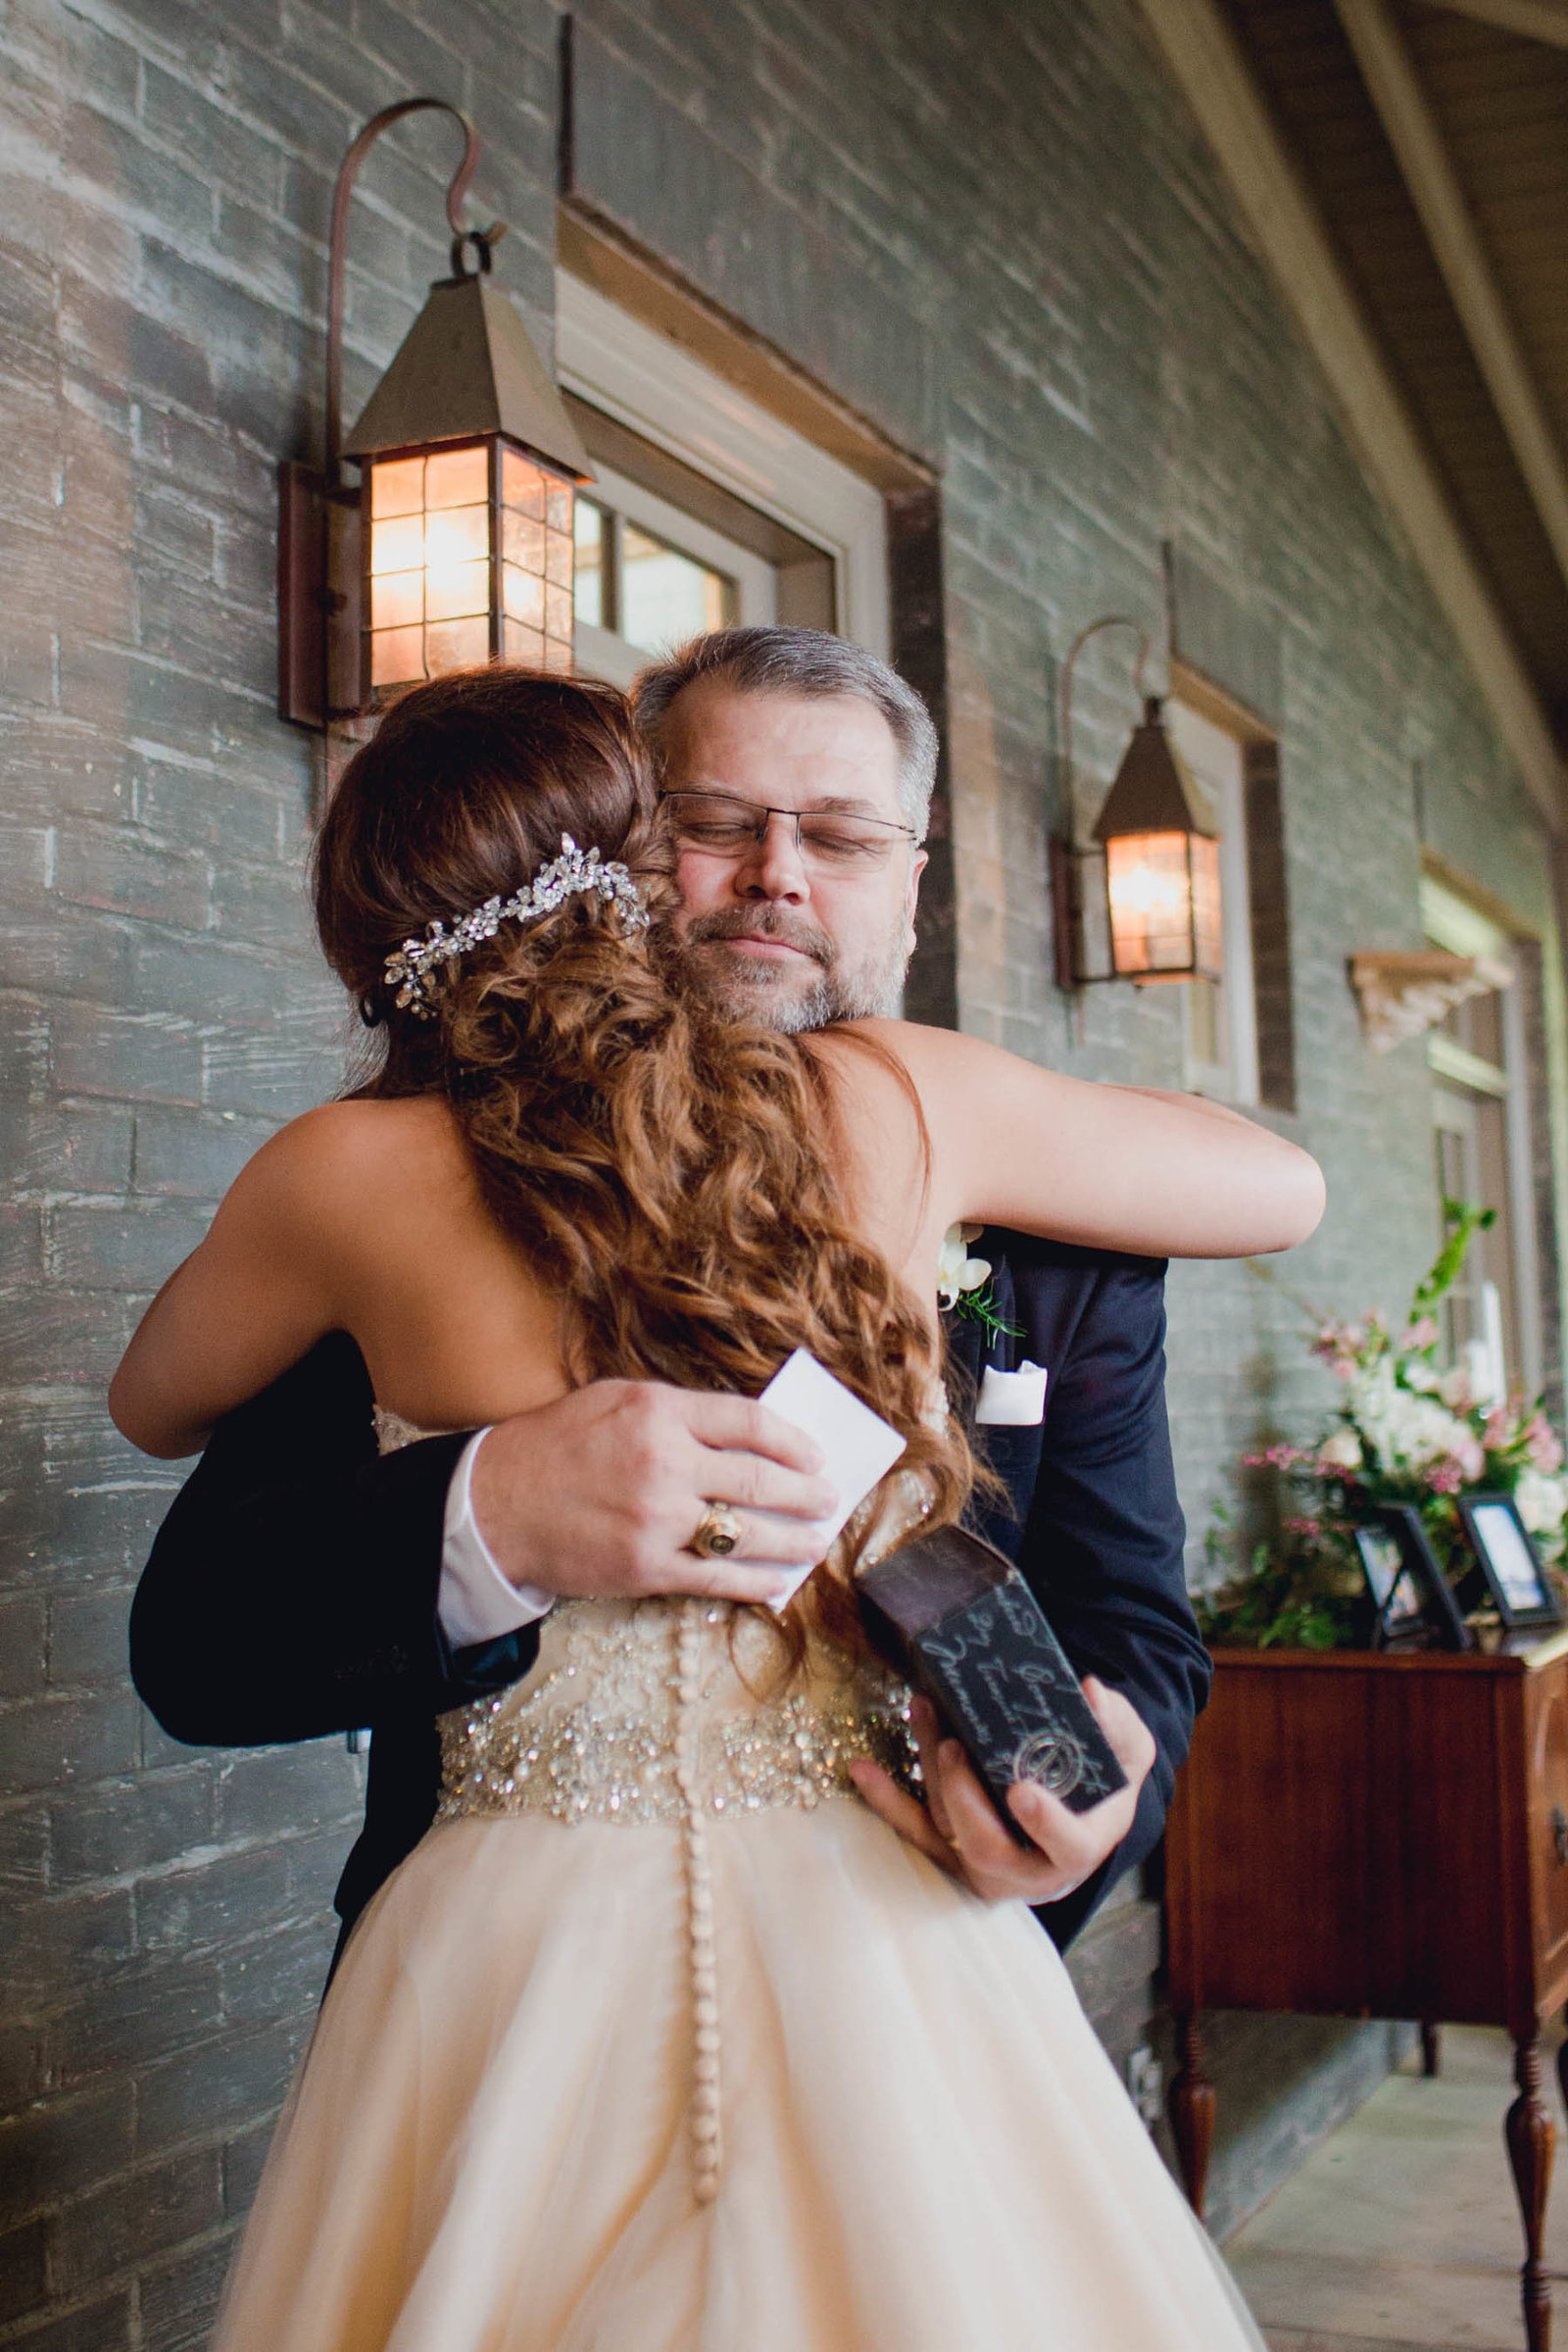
(1378, 1834)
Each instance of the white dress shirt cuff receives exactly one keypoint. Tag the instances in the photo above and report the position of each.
(476, 1601)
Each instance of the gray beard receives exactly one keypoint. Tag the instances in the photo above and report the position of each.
(874, 990)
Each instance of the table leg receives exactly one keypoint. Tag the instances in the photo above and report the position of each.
(1431, 2046)
(1191, 2111)
(1531, 2137)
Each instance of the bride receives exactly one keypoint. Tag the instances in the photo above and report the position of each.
(661, 2040)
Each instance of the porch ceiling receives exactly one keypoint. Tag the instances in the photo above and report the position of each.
(1434, 141)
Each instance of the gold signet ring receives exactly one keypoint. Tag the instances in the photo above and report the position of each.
(718, 1530)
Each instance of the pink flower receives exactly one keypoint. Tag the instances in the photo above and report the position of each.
(1279, 1456)
(1445, 1477)
(1307, 1528)
(1495, 1436)
(1421, 1334)
(1543, 1444)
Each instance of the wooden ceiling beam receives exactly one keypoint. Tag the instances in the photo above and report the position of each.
(1211, 69)
(1537, 20)
(1418, 140)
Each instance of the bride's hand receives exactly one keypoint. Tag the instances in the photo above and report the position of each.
(958, 1829)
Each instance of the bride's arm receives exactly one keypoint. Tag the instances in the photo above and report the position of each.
(254, 1297)
(1110, 1167)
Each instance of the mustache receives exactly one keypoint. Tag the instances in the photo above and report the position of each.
(766, 923)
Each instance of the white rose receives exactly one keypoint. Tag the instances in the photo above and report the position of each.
(957, 1270)
(1340, 1451)
(1423, 1378)
(1540, 1501)
(1455, 1390)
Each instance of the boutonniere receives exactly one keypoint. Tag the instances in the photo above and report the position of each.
(963, 1283)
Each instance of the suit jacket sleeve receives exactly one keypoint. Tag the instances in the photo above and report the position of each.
(1103, 1545)
(292, 1589)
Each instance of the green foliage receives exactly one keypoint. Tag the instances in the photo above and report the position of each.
(1463, 1220)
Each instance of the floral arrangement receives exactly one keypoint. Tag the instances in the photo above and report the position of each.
(1408, 1430)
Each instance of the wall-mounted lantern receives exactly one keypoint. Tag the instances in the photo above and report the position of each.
(456, 547)
(1160, 857)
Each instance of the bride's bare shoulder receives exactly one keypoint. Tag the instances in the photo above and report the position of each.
(358, 1156)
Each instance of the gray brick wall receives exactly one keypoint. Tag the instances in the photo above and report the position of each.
(166, 178)
(992, 231)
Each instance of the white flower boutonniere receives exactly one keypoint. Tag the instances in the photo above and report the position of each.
(963, 1283)
(958, 1273)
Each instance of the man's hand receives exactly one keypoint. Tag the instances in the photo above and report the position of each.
(959, 1828)
(601, 1492)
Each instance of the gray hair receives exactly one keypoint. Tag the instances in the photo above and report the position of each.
(807, 661)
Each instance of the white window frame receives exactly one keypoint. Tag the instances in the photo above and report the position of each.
(1453, 923)
(1222, 778)
(657, 389)
(604, 653)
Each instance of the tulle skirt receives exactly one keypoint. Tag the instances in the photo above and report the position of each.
(925, 2149)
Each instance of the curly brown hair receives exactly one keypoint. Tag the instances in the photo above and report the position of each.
(668, 1172)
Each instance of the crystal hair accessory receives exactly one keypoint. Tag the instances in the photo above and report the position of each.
(567, 876)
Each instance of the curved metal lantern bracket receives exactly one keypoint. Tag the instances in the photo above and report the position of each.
(318, 632)
(483, 240)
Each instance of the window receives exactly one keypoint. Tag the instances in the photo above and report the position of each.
(1221, 1041)
(648, 575)
(1480, 1119)
(705, 508)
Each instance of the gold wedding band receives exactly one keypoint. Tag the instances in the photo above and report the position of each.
(718, 1530)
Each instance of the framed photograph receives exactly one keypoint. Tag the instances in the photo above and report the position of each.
(1413, 1604)
(1516, 1583)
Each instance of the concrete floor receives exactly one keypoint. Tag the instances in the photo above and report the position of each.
(1400, 2233)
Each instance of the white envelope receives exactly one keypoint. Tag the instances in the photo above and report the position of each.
(858, 1447)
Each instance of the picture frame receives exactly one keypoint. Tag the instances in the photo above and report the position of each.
(1413, 1604)
(1511, 1569)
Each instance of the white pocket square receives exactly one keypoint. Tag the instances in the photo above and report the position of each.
(1012, 1399)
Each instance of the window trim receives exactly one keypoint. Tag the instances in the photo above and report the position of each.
(655, 388)
(1456, 923)
(1237, 1079)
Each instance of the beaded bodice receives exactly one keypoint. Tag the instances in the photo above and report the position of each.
(595, 1731)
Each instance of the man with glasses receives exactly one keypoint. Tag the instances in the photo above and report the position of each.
(797, 771)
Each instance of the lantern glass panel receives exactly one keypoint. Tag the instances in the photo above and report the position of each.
(457, 477)
(433, 586)
(1148, 885)
(397, 543)
(452, 590)
(397, 487)
(522, 486)
(519, 643)
(522, 542)
(457, 535)
(397, 599)
(397, 656)
(523, 597)
(456, 643)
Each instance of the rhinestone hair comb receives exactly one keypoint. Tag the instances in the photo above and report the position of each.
(567, 876)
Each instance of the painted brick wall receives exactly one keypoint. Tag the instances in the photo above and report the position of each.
(996, 233)
(165, 179)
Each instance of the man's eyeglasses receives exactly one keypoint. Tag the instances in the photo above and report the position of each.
(720, 825)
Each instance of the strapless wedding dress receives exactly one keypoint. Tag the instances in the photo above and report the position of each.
(662, 2041)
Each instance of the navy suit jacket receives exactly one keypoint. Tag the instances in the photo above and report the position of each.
(292, 1590)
